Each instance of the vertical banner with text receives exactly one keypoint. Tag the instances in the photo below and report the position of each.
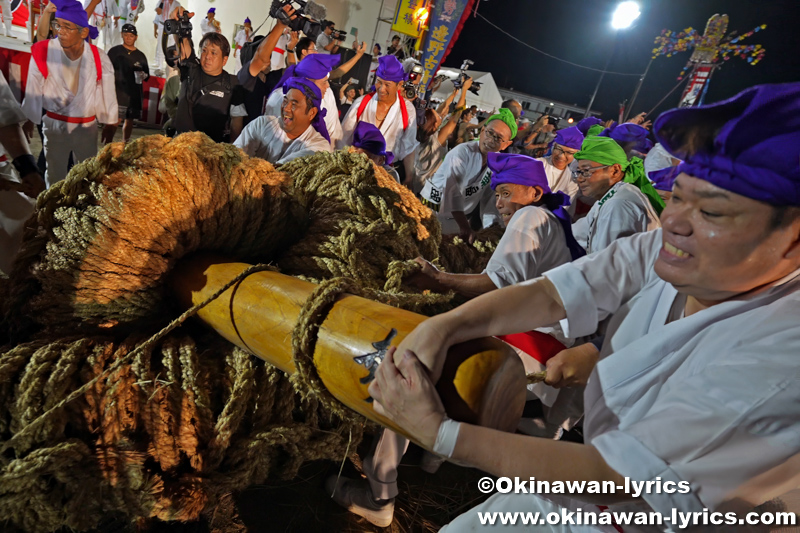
(445, 24)
(697, 83)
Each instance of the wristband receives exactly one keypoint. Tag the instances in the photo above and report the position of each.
(25, 164)
(446, 438)
(290, 50)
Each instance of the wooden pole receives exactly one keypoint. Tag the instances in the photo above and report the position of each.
(483, 381)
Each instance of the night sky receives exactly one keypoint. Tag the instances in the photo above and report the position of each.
(580, 31)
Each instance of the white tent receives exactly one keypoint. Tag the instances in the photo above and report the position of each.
(487, 99)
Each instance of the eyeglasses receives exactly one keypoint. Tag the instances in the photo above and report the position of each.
(563, 151)
(495, 137)
(587, 172)
(58, 27)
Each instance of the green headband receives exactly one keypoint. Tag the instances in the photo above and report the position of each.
(607, 151)
(508, 118)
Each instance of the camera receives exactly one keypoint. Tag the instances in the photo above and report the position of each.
(409, 87)
(181, 27)
(306, 18)
(462, 77)
(338, 35)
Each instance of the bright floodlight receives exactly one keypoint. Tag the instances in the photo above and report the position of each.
(625, 14)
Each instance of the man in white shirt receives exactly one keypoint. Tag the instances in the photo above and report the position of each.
(210, 23)
(618, 187)
(558, 164)
(316, 68)
(389, 112)
(538, 233)
(699, 365)
(73, 82)
(326, 44)
(299, 131)
(459, 190)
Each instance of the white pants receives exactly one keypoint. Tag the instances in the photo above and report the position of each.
(61, 138)
(160, 61)
(7, 16)
(15, 209)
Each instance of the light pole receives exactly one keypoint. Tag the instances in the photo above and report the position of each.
(624, 15)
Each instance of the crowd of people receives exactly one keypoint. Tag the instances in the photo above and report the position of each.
(653, 282)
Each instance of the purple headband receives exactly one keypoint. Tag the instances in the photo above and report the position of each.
(570, 137)
(624, 133)
(368, 137)
(588, 122)
(664, 178)
(305, 86)
(72, 11)
(757, 150)
(390, 69)
(312, 67)
(524, 170)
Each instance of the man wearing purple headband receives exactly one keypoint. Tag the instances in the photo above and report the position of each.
(73, 82)
(558, 165)
(694, 401)
(368, 140)
(537, 238)
(317, 69)
(299, 131)
(387, 110)
(210, 23)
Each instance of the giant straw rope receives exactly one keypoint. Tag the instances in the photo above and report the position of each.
(96, 422)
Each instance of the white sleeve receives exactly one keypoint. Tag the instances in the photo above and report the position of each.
(517, 254)
(595, 286)
(238, 111)
(724, 412)
(273, 107)
(107, 110)
(34, 87)
(250, 139)
(349, 125)
(488, 208)
(10, 110)
(445, 188)
(407, 142)
(616, 220)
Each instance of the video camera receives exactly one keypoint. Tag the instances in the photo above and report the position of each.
(338, 35)
(306, 18)
(181, 27)
(462, 77)
(409, 87)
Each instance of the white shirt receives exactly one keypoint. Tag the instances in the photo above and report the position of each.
(625, 211)
(273, 108)
(242, 38)
(398, 141)
(711, 399)
(10, 110)
(207, 27)
(532, 244)
(561, 181)
(657, 158)
(462, 183)
(91, 99)
(264, 138)
(278, 59)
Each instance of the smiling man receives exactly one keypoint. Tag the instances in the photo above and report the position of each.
(299, 131)
(625, 201)
(459, 191)
(697, 379)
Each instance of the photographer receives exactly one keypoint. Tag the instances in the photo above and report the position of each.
(327, 43)
(211, 100)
